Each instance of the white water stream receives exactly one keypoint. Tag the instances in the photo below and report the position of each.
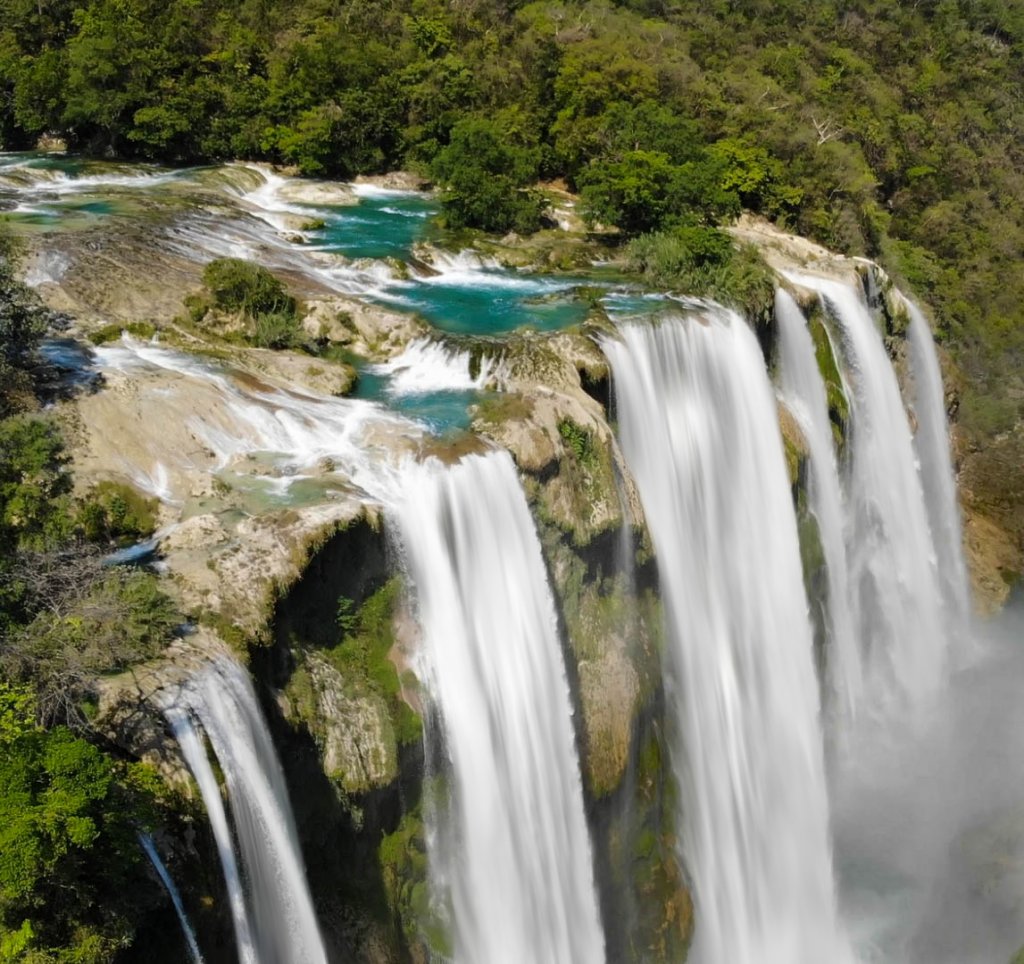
(149, 846)
(522, 883)
(271, 904)
(699, 430)
(897, 603)
(803, 392)
(931, 444)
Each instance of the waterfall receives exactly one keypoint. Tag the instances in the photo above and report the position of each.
(165, 878)
(897, 605)
(803, 392)
(195, 756)
(522, 884)
(931, 443)
(271, 905)
(700, 432)
(431, 366)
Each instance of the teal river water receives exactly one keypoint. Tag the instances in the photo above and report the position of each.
(456, 293)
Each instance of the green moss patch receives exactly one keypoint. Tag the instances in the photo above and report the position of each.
(363, 655)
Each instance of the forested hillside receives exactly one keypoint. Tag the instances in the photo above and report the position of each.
(890, 129)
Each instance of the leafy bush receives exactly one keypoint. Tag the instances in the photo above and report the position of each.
(277, 330)
(104, 621)
(703, 261)
(580, 441)
(34, 483)
(237, 285)
(71, 872)
(114, 512)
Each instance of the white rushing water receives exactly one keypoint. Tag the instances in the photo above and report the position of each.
(699, 429)
(897, 603)
(195, 756)
(522, 883)
(164, 874)
(430, 366)
(272, 908)
(931, 443)
(929, 827)
(803, 392)
(290, 432)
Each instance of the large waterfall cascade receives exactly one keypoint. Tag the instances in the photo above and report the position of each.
(900, 800)
(895, 590)
(270, 900)
(699, 430)
(698, 426)
(522, 883)
(803, 392)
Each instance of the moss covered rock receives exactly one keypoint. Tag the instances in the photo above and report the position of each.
(353, 731)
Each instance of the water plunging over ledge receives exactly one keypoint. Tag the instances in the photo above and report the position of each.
(270, 901)
(699, 430)
(521, 873)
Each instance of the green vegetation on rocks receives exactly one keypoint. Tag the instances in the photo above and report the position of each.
(74, 886)
(350, 698)
(236, 285)
(581, 443)
(243, 297)
(838, 404)
(403, 862)
(363, 655)
(698, 260)
(138, 329)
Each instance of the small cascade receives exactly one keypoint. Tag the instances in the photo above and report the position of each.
(897, 603)
(803, 392)
(699, 430)
(271, 905)
(431, 366)
(291, 433)
(931, 443)
(521, 881)
(165, 878)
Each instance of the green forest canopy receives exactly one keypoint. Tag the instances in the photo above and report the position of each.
(891, 129)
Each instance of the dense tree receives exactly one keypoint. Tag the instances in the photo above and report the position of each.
(891, 130)
(22, 324)
(485, 178)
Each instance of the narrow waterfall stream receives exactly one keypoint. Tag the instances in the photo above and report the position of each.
(149, 846)
(931, 443)
(271, 904)
(522, 885)
(699, 429)
(897, 604)
(194, 752)
(803, 391)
